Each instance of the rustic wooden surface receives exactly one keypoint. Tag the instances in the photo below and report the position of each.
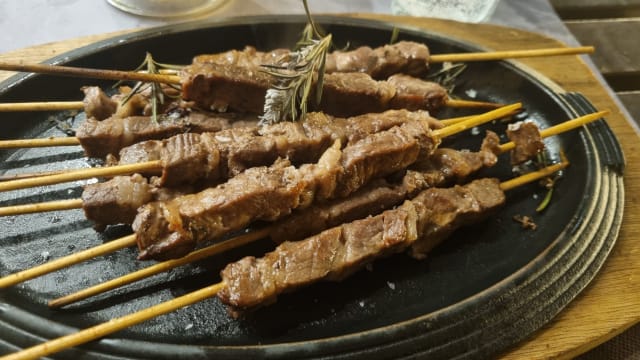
(613, 27)
(611, 303)
(596, 9)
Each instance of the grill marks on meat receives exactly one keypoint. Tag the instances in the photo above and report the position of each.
(348, 94)
(268, 193)
(377, 196)
(442, 211)
(526, 136)
(219, 156)
(247, 57)
(402, 57)
(172, 228)
(116, 201)
(414, 94)
(109, 136)
(447, 166)
(381, 154)
(333, 254)
(223, 87)
(443, 167)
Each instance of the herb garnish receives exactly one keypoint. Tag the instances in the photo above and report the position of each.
(447, 76)
(158, 93)
(295, 77)
(549, 182)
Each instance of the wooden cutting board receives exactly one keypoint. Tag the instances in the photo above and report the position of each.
(611, 303)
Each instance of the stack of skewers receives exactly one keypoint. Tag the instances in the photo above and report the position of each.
(360, 178)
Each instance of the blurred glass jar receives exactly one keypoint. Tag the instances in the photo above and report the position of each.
(461, 10)
(166, 8)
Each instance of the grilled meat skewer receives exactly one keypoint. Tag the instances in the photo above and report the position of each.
(417, 225)
(116, 201)
(405, 57)
(210, 157)
(173, 228)
(224, 87)
(292, 281)
(109, 136)
(444, 166)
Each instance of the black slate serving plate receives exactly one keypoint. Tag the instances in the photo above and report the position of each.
(484, 289)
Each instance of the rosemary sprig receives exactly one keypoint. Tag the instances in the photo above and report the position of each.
(547, 198)
(549, 182)
(395, 33)
(158, 93)
(447, 75)
(289, 96)
(296, 75)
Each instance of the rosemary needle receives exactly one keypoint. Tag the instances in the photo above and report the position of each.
(157, 92)
(295, 76)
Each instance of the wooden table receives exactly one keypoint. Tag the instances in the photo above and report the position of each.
(613, 26)
(611, 303)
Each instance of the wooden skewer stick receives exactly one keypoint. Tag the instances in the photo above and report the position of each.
(80, 174)
(173, 79)
(477, 120)
(117, 324)
(41, 207)
(445, 122)
(533, 176)
(90, 73)
(66, 261)
(454, 120)
(161, 267)
(79, 105)
(73, 141)
(30, 175)
(510, 54)
(42, 106)
(114, 325)
(43, 142)
(457, 103)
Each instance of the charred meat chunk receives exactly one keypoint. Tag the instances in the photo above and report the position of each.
(526, 136)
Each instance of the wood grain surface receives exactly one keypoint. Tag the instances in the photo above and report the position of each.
(596, 9)
(611, 303)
